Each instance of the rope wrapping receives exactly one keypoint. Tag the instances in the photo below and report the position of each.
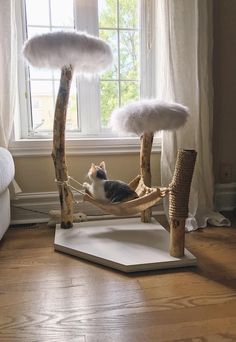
(181, 183)
(179, 190)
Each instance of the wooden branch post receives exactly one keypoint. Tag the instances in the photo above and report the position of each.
(58, 152)
(178, 200)
(145, 168)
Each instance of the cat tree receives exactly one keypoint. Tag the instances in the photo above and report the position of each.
(80, 52)
(145, 118)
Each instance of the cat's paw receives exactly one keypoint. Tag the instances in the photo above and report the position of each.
(86, 185)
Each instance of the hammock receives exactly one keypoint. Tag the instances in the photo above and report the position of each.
(148, 197)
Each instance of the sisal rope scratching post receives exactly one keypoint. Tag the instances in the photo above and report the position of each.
(144, 118)
(179, 190)
(67, 51)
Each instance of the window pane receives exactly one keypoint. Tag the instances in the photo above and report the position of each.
(129, 55)
(109, 100)
(37, 12)
(129, 92)
(107, 13)
(56, 74)
(36, 73)
(42, 105)
(32, 31)
(61, 28)
(62, 13)
(71, 117)
(110, 36)
(128, 13)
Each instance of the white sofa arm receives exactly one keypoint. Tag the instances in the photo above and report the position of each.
(7, 169)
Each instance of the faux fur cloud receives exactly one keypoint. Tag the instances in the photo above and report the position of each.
(86, 53)
(148, 116)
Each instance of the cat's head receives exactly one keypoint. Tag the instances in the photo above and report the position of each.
(97, 171)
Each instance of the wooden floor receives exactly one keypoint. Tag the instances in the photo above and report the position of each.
(49, 296)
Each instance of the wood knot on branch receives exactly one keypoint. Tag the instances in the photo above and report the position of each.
(67, 72)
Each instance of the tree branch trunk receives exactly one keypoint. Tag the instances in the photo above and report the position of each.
(58, 152)
(145, 168)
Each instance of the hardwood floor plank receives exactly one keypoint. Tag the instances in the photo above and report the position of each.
(184, 332)
(49, 296)
(162, 326)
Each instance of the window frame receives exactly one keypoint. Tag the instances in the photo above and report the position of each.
(91, 142)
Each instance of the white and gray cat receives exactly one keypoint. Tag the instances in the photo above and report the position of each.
(107, 190)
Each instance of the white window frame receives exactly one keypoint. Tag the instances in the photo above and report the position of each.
(91, 143)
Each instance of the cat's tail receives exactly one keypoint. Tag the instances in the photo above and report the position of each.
(149, 116)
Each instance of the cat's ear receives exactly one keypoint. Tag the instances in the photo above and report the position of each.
(102, 165)
(93, 167)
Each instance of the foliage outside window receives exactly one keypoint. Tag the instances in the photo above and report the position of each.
(118, 25)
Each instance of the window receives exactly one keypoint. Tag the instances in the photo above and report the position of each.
(125, 25)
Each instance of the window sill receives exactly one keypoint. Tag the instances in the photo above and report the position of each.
(83, 146)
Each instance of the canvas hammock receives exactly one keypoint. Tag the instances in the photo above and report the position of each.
(147, 197)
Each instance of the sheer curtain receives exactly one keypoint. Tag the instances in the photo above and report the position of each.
(8, 65)
(184, 75)
(8, 78)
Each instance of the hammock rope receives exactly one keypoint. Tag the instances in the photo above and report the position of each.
(71, 187)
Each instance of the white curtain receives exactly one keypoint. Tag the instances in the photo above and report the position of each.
(8, 67)
(184, 75)
(8, 76)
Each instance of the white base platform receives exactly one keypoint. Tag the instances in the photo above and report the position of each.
(127, 245)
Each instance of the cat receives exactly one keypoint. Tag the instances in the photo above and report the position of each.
(107, 190)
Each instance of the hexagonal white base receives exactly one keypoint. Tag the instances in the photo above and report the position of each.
(124, 244)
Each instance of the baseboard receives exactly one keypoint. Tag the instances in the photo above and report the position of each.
(34, 208)
(225, 197)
